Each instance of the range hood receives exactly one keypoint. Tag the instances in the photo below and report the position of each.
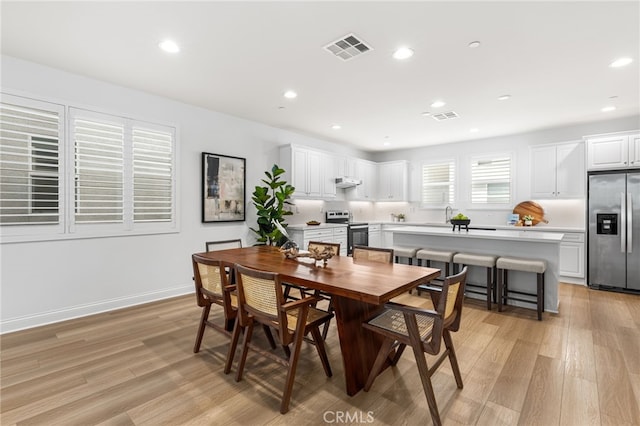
(347, 182)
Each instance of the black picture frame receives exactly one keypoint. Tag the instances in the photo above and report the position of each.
(223, 188)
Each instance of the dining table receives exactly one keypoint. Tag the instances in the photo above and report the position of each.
(358, 289)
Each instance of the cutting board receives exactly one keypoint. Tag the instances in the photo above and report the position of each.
(530, 208)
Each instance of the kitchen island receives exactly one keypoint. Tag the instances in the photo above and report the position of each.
(516, 243)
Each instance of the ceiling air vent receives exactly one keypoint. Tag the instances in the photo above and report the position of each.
(348, 47)
(445, 116)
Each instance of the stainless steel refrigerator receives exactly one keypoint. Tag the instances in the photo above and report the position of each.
(614, 230)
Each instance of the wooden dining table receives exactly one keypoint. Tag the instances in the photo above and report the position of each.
(358, 290)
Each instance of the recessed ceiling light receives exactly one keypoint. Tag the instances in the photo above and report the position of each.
(608, 108)
(336, 127)
(386, 144)
(474, 44)
(621, 62)
(473, 130)
(403, 53)
(169, 46)
(437, 104)
(504, 97)
(290, 94)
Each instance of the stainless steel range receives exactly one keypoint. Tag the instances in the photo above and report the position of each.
(357, 232)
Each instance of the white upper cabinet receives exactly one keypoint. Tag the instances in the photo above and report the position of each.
(311, 172)
(392, 181)
(366, 171)
(557, 171)
(615, 151)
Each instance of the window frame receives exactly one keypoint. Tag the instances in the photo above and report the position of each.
(492, 157)
(452, 162)
(67, 228)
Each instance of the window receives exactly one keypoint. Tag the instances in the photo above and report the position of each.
(491, 180)
(120, 172)
(438, 183)
(30, 153)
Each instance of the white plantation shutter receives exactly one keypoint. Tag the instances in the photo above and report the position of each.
(152, 176)
(491, 180)
(438, 183)
(99, 170)
(30, 154)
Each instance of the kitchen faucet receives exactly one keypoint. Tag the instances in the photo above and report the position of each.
(448, 212)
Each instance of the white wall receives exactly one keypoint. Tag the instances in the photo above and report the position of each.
(564, 213)
(44, 282)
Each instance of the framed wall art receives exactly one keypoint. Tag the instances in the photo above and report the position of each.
(223, 188)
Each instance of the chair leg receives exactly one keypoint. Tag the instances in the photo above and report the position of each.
(423, 369)
(500, 291)
(446, 335)
(319, 343)
(489, 289)
(325, 329)
(387, 344)
(293, 359)
(398, 354)
(267, 332)
(203, 320)
(235, 336)
(245, 350)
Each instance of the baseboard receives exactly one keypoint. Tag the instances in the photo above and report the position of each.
(36, 320)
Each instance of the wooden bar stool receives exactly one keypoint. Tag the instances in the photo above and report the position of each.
(537, 266)
(481, 260)
(408, 252)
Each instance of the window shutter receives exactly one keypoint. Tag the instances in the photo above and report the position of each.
(99, 171)
(29, 165)
(438, 183)
(152, 176)
(491, 180)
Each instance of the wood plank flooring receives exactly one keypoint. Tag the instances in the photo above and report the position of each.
(136, 367)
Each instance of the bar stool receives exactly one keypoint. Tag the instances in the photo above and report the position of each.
(537, 266)
(408, 252)
(486, 261)
(431, 255)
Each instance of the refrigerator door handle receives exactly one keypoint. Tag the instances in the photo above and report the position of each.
(629, 224)
(623, 221)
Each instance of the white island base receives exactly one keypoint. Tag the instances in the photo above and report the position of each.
(531, 245)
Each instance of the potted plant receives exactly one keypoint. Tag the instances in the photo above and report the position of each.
(528, 220)
(400, 217)
(270, 202)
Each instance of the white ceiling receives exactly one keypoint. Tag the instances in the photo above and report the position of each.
(239, 57)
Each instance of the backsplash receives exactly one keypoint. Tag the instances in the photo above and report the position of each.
(559, 213)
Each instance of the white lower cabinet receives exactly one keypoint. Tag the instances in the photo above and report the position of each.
(375, 236)
(325, 235)
(572, 255)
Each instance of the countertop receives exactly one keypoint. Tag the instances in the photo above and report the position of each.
(541, 237)
(305, 227)
(537, 228)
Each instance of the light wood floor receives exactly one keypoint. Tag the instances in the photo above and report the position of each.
(136, 366)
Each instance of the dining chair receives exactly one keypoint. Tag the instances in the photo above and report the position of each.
(335, 250)
(261, 300)
(213, 288)
(223, 244)
(372, 254)
(423, 330)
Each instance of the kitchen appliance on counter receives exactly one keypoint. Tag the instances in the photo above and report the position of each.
(357, 232)
(614, 230)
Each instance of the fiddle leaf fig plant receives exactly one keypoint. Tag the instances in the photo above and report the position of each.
(270, 202)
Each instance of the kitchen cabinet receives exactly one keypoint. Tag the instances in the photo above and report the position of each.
(336, 234)
(365, 171)
(572, 255)
(392, 181)
(557, 171)
(614, 151)
(375, 235)
(311, 172)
